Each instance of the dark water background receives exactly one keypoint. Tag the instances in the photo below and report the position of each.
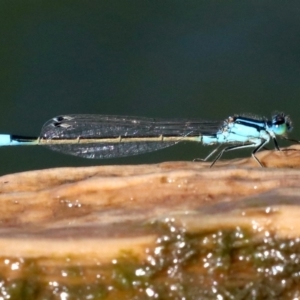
(189, 59)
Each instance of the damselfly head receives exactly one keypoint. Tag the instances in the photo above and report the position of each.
(281, 124)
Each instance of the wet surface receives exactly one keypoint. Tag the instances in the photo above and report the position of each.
(173, 230)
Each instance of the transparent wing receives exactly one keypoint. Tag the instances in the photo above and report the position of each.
(109, 150)
(70, 127)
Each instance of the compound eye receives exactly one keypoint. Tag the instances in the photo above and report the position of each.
(281, 124)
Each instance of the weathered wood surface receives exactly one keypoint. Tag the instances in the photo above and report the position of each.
(58, 210)
(93, 214)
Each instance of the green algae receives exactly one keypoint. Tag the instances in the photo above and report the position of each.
(222, 264)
